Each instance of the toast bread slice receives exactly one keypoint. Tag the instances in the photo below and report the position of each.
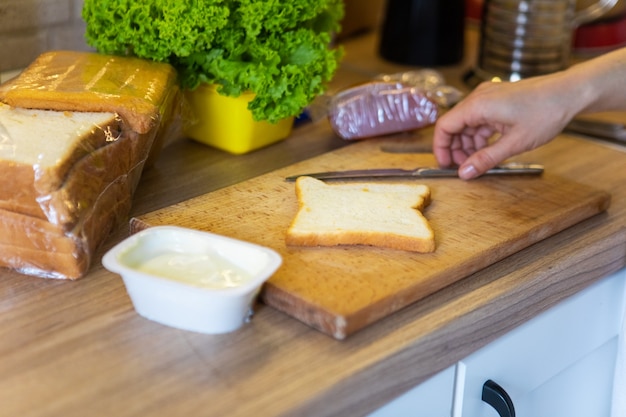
(375, 214)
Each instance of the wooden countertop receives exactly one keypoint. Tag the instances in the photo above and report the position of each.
(78, 348)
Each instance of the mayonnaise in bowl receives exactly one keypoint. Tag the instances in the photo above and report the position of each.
(207, 270)
(190, 279)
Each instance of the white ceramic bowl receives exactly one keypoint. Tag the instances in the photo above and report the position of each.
(192, 280)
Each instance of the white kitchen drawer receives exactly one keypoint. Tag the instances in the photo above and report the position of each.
(558, 364)
(432, 398)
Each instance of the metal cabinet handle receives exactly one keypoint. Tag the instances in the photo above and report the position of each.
(497, 397)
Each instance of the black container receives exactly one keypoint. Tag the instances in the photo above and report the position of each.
(423, 32)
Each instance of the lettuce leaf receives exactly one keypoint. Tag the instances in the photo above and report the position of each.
(279, 50)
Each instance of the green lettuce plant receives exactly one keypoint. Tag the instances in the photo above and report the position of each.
(280, 50)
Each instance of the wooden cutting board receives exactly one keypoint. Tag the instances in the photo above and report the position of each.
(340, 290)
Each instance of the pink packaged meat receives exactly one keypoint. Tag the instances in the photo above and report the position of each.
(390, 104)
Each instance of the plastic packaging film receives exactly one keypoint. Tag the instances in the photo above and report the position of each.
(86, 135)
(390, 104)
(140, 91)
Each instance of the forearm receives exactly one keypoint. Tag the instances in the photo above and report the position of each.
(600, 83)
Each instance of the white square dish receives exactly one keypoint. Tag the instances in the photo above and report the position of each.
(192, 280)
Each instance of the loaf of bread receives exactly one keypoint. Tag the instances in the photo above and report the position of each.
(37, 247)
(76, 130)
(62, 173)
(376, 214)
(140, 91)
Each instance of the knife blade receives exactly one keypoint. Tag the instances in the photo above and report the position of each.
(421, 172)
(615, 132)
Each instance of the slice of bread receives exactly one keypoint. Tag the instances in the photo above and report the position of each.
(39, 147)
(64, 172)
(376, 214)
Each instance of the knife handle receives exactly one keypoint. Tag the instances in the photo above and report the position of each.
(516, 169)
(506, 169)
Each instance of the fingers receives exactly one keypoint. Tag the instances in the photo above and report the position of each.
(488, 157)
(454, 149)
(461, 132)
(442, 147)
(449, 145)
(478, 163)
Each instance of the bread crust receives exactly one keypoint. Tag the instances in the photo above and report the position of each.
(385, 240)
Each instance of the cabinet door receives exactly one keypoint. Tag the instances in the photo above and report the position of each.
(561, 363)
(432, 398)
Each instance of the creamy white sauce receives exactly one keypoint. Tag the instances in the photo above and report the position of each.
(206, 270)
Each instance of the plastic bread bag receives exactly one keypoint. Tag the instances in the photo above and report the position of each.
(74, 172)
(62, 202)
(390, 104)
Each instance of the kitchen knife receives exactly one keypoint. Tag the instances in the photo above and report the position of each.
(422, 172)
(615, 132)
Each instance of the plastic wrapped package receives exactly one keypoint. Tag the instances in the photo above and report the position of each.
(390, 104)
(34, 246)
(74, 140)
(380, 108)
(140, 91)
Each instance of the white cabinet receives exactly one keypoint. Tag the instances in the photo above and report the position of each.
(432, 398)
(561, 363)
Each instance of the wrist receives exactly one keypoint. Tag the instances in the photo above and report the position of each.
(598, 83)
(581, 92)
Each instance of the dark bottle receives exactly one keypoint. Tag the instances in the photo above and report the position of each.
(423, 32)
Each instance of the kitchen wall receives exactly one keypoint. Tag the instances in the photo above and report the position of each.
(29, 27)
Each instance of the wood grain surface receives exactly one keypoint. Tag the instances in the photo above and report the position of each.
(339, 290)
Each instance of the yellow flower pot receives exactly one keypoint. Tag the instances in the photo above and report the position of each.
(226, 123)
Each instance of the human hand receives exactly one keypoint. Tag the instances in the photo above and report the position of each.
(499, 120)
